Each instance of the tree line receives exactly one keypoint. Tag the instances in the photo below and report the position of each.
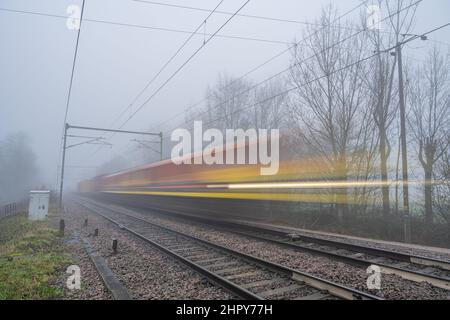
(346, 114)
(339, 98)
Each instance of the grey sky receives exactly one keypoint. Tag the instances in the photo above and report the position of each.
(115, 62)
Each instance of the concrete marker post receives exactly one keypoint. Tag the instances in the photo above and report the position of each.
(62, 226)
(114, 245)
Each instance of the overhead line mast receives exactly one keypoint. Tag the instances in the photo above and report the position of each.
(67, 127)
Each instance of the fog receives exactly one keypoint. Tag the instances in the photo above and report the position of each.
(115, 62)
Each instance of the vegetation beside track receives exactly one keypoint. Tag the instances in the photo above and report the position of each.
(32, 257)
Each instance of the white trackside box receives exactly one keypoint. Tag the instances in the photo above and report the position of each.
(39, 202)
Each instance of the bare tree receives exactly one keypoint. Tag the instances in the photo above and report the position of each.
(441, 196)
(383, 107)
(270, 112)
(225, 101)
(331, 97)
(383, 90)
(429, 120)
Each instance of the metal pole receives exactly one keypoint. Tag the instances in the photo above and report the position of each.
(61, 187)
(161, 145)
(406, 214)
(67, 127)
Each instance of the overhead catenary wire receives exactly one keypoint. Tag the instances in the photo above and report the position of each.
(182, 65)
(291, 66)
(129, 107)
(277, 55)
(165, 65)
(281, 42)
(173, 30)
(74, 62)
(154, 28)
(82, 137)
(163, 29)
(413, 4)
(350, 65)
(168, 61)
(335, 71)
(228, 13)
(266, 62)
(179, 114)
(304, 60)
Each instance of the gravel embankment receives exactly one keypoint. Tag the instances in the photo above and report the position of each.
(435, 253)
(393, 287)
(143, 270)
(92, 287)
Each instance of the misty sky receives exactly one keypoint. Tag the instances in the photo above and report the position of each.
(115, 62)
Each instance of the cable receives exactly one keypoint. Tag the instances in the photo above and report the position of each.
(171, 5)
(188, 32)
(298, 63)
(74, 63)
(165, 133)
(335, 71)
(228, 13)
(148, 27)
(163, 67)
(72, 76)
(223, 12)
(263, 64)
(168, 62)
(360, 31)
(415, 37)
(183, 65)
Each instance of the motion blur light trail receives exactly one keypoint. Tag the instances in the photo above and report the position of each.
(303, 181)
(289, 197)
(267, 193)
(314, 185)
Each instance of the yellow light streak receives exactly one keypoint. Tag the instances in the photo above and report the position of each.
(312, 198)
(312, 185)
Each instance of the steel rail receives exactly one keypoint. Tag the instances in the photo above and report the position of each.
(386, 268)
(390, 254)
(214, 278)
(334, 289)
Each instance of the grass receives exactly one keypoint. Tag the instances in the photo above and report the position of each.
(31, 258)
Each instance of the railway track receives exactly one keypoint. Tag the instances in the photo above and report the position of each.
(411, 267)
(245, 276)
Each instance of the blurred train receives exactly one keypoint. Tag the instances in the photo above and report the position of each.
(222, 190)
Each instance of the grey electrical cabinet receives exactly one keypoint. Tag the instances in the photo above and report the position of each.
(39, 202)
